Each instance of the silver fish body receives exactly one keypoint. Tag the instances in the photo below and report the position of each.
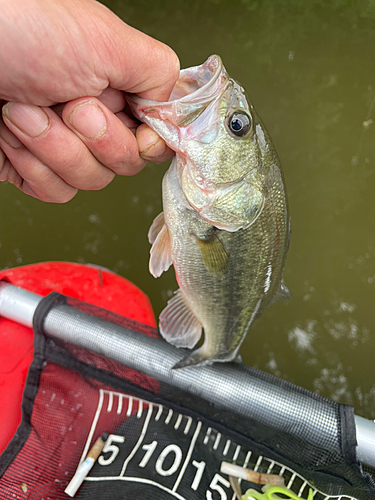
(225, 224)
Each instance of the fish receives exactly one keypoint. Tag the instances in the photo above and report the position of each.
(225, 224)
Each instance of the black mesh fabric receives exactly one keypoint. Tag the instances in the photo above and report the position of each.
(164, 442)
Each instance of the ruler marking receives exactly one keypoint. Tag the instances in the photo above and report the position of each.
(304, 484)
(93, 425)
(291, 480)
(236, 453)
(140, 439)
(140, 408)
(160, 411)
(119, 405)
(188, 456)
(110, 401)
(217, 441)
(247, 459)
(260, 458)
(169, 416)
(136, 480)
(226, 448)
(178, 421)
(188, 424)
(130, 406)
(207, 436)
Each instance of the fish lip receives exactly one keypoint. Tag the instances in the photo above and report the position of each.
(213, 60)
(213, 64)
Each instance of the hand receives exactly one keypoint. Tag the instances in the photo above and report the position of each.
(82, 55)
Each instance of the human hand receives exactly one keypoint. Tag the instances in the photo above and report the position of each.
(82, 55)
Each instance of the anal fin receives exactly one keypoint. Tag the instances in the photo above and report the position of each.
(196, 358)
(201, 357)
(178, 324)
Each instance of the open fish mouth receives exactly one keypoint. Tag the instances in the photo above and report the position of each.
(196, 88)
(198, 80)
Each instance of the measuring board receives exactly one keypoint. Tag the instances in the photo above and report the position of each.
(158, 453)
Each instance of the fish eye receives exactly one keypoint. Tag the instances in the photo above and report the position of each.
(239, 123)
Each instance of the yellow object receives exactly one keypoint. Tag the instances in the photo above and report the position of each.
(273, 493)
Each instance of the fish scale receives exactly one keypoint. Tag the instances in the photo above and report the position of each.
(225, 225)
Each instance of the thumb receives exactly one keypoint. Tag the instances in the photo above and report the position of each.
(133, 61)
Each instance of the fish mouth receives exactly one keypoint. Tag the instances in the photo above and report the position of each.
(199, 83)
(196, 88)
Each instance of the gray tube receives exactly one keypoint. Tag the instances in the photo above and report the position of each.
(18, 304)
(365, 440)
(226, 386)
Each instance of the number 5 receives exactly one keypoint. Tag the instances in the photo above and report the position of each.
(113, 438)
(216, 487)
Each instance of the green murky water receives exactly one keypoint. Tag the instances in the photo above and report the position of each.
(309, 69)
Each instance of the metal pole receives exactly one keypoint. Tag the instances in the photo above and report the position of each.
(19, 305)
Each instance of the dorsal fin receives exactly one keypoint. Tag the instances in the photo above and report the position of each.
(160, 253)
(156, 227)
(214, 255)
(178, 324)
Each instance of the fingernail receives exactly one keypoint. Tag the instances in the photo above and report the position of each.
(153, 151)
(29, 119)
(7, 136)
(88, 120)
(151, 146)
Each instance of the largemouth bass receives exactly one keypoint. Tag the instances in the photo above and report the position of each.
(225, 223)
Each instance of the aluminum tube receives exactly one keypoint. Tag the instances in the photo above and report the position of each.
(227, 386)
(17, 304)
(365, 440)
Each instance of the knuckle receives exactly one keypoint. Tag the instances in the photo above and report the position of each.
(9, 173)
(172, 64)
(62, 198)
(71, 160)
(15, 178)
(129, 163)
(102, 180)
(75, 167)
(63, 194)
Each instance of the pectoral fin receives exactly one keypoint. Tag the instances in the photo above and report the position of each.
(214, 255)
(156, 227)
(160, 253)
(177, 323)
